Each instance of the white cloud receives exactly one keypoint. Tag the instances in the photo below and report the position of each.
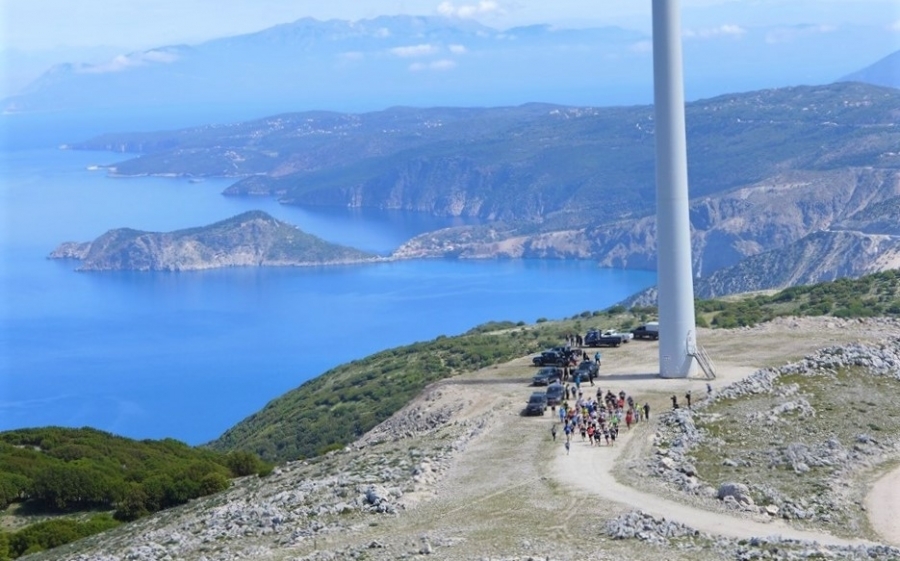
(124, 62)
(443, 64)
(788, 34)
(895, 26)
(383, 32)
(352, 55)
(458, 49)
(724, 30)
(483, 7)
(414, 50)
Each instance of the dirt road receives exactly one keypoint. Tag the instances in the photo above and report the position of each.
(737, 355)
(598, 462)
(883, 505)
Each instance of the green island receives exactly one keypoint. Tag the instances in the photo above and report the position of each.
(250, 239)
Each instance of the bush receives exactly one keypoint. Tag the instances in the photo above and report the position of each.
(53, 533)
(243, 463)
(134, 505)
(212, 483)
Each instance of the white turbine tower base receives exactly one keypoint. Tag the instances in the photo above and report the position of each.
(673, 229)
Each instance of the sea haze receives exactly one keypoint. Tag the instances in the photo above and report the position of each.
(187, 355)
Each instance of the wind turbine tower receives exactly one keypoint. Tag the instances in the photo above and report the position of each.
(675, 285)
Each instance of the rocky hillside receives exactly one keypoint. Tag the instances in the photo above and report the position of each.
(251, 239)
(761, 224)
(459, 474)
(820, 256)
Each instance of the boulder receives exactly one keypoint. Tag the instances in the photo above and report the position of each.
(739, 491)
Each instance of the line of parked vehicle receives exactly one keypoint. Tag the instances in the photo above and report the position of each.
(552, 361)
(553, 378)
(611, 338)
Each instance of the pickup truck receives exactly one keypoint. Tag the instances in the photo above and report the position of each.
(647, 331)
(595, 338)
(550, 358)
(628, 336)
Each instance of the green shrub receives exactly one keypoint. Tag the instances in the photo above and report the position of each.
(53, 533)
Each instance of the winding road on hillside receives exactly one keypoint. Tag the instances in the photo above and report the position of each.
(570, 469)
(771, 343)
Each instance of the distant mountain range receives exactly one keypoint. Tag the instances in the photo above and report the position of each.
(428, 61)
(885, 72)
(768, 170)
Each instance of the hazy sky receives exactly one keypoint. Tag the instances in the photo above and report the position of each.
(140, 24)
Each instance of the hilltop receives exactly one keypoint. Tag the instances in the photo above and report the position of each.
(252, 238)
(423, 449)
(459, 473)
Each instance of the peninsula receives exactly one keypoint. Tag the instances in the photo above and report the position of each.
(253, 238)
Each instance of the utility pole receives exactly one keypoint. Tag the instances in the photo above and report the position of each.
(673, 235)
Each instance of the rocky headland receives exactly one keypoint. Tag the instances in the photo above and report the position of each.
(250, 239)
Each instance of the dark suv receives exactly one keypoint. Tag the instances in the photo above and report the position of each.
(550, 358)
(546, 376)
(587, 369)
(555, 393)
(537, 404)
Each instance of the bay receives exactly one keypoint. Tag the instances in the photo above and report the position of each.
(187, 355)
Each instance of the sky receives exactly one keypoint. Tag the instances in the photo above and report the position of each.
(35, 35)
(43, 25)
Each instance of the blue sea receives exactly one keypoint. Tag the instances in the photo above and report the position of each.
(187, 355)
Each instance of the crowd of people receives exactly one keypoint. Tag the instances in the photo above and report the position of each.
(598, 419)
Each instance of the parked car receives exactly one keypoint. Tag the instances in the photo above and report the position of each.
(555, 393)
(546, 376)
(649, 330)
(586, 369)
(537, 404)
(550, 358)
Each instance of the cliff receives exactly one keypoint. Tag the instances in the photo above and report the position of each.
(727, 229)
(250, 239)
(767, 169)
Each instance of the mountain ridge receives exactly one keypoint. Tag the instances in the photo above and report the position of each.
(767, 168)
(884, 72)
(437, 60)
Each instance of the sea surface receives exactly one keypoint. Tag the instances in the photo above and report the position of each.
(187, 355)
